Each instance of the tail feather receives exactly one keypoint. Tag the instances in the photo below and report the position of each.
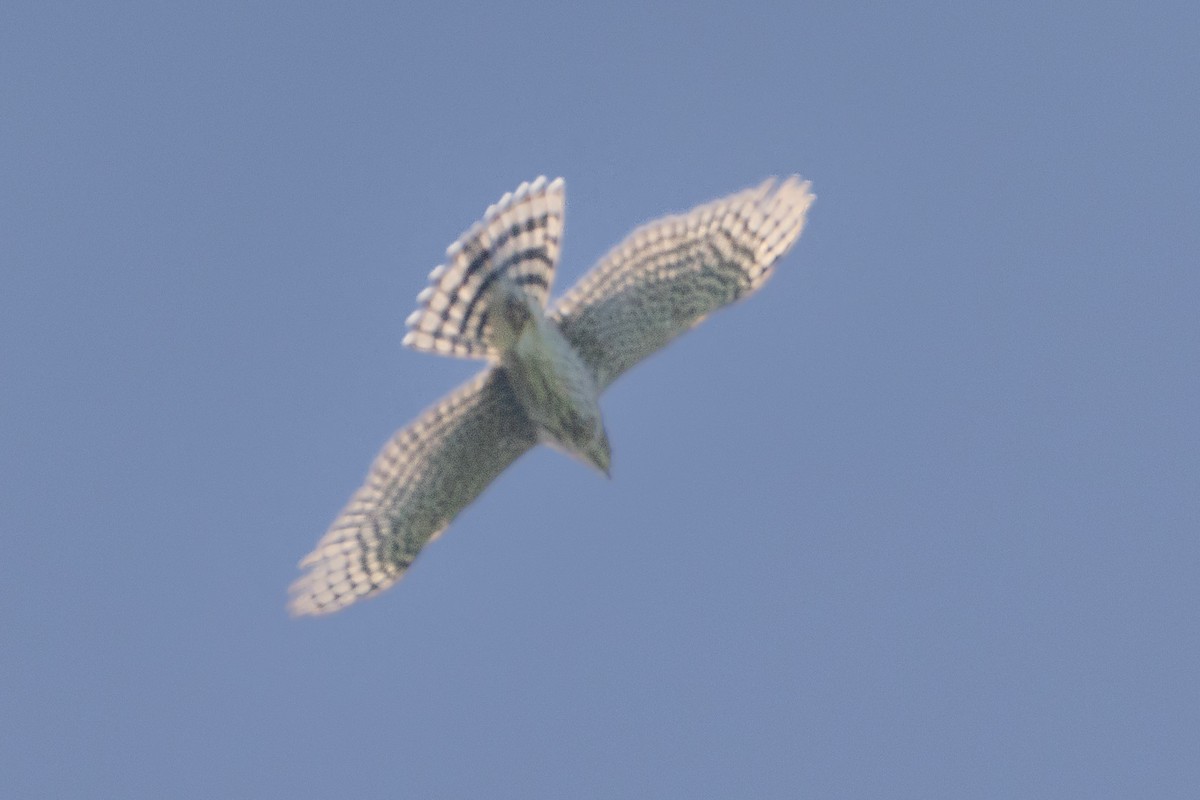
(517, 240)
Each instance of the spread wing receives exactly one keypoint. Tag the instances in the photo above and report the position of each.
(670, 274)
(426, 475)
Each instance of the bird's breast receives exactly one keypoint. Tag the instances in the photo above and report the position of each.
(554, 386)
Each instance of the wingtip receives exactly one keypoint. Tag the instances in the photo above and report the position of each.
(797, 186)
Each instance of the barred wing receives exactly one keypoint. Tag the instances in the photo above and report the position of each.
(517, 239)
(669, 275)
(426, 475)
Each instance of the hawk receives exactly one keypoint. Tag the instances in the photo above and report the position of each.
(547, 363)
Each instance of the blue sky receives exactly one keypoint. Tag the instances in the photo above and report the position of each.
(918, 520)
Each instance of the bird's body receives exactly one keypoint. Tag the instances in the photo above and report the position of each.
(548, 366)
(554, 387)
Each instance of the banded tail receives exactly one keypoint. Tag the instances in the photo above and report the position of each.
(516, 242)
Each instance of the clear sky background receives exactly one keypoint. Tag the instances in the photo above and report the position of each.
(921, 520)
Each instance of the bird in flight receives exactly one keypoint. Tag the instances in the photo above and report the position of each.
(548, 363)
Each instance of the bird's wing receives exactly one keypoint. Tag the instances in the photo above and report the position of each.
(517, 240)
(426, 475)
(670, 274)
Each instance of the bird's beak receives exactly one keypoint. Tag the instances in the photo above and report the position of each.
(599, 455)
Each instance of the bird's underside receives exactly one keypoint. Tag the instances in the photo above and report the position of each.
(547, 364)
